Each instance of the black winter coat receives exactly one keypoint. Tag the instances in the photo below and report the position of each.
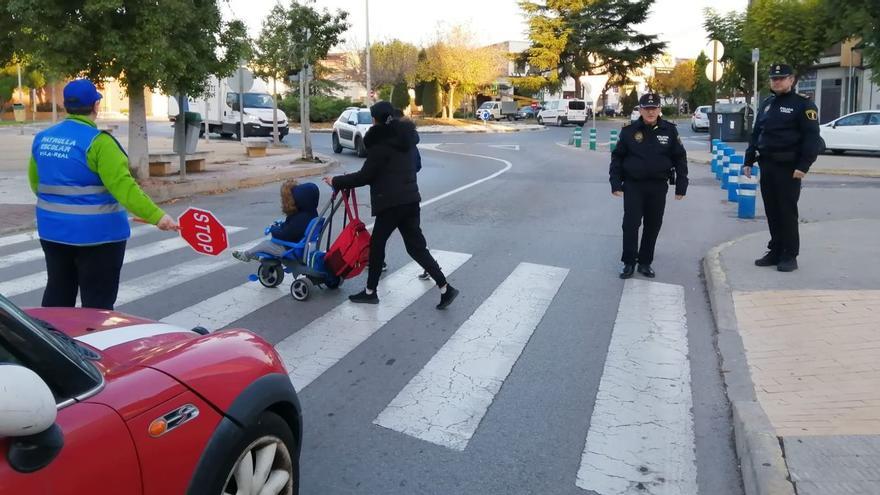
(786, 132)
(389, 169)
(646, 153)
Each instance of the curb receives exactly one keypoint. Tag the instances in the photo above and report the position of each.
(762, 464)
(163, 192)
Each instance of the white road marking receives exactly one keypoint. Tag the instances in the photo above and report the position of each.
(16, 238)
(445, 402)
(35, 254)
(641, 436)
(434, 147)
(514, 147)
(219, 311)
(325, 341)
(108, 338)
(38, 280)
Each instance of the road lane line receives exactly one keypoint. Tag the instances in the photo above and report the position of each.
(35, 254)
(315, 348)
(641, 436)
(445, 402)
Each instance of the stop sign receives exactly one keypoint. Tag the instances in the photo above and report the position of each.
(201, 229)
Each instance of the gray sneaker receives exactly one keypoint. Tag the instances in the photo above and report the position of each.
(241, 256)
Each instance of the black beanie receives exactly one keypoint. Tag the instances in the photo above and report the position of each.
(382, 111)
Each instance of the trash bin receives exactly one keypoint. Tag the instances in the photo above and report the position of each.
(193, 126)
(728, 122)
(19, 112)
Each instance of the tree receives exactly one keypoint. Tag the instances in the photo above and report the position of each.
(630, 101)
(571, 38)
(788, 31)
(860, 22)
(272, 56)
(172, 46)
(678, 83)
(431, 99)
(400, 96)
(457, 63)
(701, 92)
(390, 63)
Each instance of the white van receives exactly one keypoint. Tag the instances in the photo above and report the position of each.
(561, 112)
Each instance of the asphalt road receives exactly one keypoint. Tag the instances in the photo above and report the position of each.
(548, 211)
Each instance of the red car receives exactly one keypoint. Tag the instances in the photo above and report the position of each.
(102, 402)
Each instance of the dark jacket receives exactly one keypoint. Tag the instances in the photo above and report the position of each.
(649, 153)
(294, 227)
(389, 169)
(786, 132)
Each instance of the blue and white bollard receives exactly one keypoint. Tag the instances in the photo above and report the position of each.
(719, 159)
(748, 191)
(715, 145)
(725, 166)
(736, 163)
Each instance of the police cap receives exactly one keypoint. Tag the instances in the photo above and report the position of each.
(781, 70)
(649, 100)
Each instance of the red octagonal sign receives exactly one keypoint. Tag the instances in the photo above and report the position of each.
(201, 229)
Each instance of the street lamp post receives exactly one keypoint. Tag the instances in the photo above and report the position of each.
(369, 97)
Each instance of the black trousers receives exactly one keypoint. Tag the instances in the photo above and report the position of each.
(93, 271)
(406, 219)
(642, 200)
(780, 192)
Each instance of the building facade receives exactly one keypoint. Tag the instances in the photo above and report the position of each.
(839, 83)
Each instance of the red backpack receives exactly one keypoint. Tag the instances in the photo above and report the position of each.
(350, 252)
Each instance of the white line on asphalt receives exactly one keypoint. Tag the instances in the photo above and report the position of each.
(16, 238)
(325, 341)
(433, 147)
(37, 280)
(445, 402)
(35, 254)
(641, 436)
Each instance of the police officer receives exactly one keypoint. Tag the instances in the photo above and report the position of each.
(785, 141)
(648, 156)
(83, 186)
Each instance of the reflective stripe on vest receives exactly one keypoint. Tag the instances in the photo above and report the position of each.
(70, 190)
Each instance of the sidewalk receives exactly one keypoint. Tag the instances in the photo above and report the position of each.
(862, 166)
(801, 358)
(227, 168)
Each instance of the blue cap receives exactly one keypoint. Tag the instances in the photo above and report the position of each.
(80, 93)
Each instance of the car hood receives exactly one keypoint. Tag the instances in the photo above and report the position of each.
(265, 113)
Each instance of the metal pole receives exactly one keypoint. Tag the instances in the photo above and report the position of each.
(715, 93)
(755, 97)
(369, 84)
(180, 134)
(54, 109)
(241, 104)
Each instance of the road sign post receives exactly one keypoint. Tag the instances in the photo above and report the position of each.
(715, 50)
(202, 231)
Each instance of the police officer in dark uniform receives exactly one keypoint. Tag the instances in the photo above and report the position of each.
(648, 157)
(785, 141)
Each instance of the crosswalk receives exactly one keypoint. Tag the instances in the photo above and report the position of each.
(640, 437)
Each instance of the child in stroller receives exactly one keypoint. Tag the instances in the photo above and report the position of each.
(292, 247)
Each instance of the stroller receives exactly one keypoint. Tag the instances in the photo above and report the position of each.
(303, 259)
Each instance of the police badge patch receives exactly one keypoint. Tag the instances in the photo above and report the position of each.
(639, 137)
(812, 114)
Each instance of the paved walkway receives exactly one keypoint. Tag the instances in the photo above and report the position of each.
(809, 352)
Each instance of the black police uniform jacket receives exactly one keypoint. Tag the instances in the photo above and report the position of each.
(646, 152)
(389, 169)
(786, 132)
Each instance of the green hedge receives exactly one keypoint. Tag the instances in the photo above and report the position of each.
(431, 99)
(400, 96)
(321, 108)
(669, 110)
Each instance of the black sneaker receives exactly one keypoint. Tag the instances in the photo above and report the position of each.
(384, 267)
(769, 259)
(363, 298)
(447, 297)
(646, 270)
(787, 265)
(628, 270)
(425, 275)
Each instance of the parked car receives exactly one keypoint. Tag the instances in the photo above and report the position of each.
(104, 402)
(634, 115)
(526, 112)
(609, 110)
(499, 110)
(562, 112)
(349, 130)
(700, 118)
(859, 131)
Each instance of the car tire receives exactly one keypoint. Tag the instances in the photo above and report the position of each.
(268, 435)
(693, 127)
(337, 146)
(359, 147)
(540, 120)
(822, 148)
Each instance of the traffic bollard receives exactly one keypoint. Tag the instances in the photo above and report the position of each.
(593, 139)
(725, 166)
(578, 137)
(612, 140)
(719, 160)
(716, 143)
(736, 163)
(747, 195)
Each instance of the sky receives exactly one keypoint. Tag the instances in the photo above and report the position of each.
(678, 22)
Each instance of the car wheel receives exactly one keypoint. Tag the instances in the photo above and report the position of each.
(693, 127)
(270, 274)
(540, 120)
(263, 461)
(359, 147)
(822, 148)
(226, 135)
(337, 148)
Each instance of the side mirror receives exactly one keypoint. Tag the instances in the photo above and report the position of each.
(28, 406)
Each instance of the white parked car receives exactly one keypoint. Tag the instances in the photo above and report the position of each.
(349, 130)
(859, 131)
(700, 118)
(561, 112)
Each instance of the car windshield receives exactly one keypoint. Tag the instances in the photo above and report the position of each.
(257, 100)
(487, 104)
(576, 105)
(365, 118)
(703, 109)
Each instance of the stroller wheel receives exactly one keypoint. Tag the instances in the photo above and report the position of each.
(270, 275)
(301, 288)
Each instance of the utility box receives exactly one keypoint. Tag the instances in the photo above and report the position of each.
(193, 126)
(18, 111)
(728, 122)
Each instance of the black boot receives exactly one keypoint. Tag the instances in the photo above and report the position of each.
(646, 270)
(787, 264)
(363, 298)
(628, 270)
(769, 259)
(447, 297)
